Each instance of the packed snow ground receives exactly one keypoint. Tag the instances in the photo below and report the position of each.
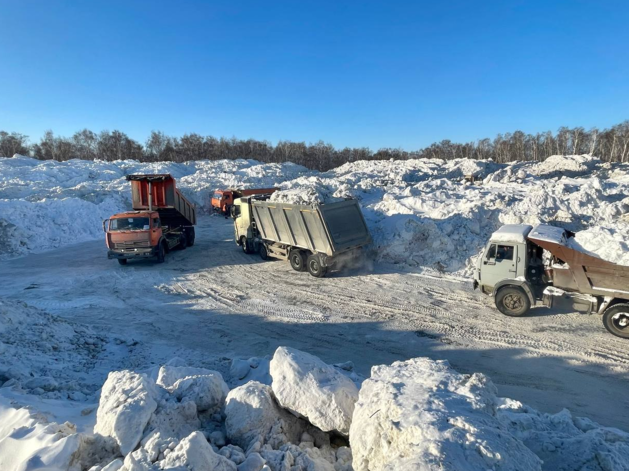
(420, 212)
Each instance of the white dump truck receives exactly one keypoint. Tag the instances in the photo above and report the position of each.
(312, 237)
(522, 266)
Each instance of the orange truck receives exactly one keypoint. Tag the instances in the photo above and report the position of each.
(162, 220)
(222, 200)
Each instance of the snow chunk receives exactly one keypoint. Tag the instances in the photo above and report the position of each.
(421, 414)
(252, 415)
(515, 233)
(565, 164)
(204, 387)
(126, 404)
(310, 388)
(194, 453)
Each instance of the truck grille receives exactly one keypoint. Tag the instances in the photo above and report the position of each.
(132, 245)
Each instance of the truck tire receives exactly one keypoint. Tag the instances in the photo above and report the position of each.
(246, 246)
(122, 261)
(183, 242)
(161, 253)
(297, 260)
(513, 301)
(190, 235)
(315, 268)
(616, 320)
(263, 252)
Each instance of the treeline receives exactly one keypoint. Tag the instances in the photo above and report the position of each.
(610, 145)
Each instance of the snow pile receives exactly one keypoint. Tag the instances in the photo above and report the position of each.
(564, 442)
(310, 388)
(420, 212)
(417, 414)
(421, 414)
(47, 204)
(45, 355)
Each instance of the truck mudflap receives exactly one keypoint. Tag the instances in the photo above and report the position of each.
(127, 254)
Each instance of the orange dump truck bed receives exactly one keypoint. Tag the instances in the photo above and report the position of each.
(158, 192)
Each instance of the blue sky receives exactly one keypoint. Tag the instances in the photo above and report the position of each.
(377, 74)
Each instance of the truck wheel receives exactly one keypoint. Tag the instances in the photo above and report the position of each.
(122, 261)
(190, 235)
(512, 301)
(297, 260)
(246, 246)
(161, 253)
(314, 266)
(616, 320)
(183, 242)
(264, 253)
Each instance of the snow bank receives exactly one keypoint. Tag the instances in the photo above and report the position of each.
(46, 355)
(565, 442)
(47, 204)
(421, 414)
(310, 388)
(420, 212)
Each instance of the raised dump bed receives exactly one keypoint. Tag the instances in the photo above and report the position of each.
(312, 237)
(158, 192)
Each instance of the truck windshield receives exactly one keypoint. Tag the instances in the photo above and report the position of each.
(218, 196)
(129, 224)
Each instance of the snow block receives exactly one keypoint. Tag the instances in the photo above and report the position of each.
(126, 404)
(310, 388)
(206, 388)
(422, 415)
(194, 453)
(252, 415)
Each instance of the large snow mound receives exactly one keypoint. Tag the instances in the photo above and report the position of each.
(420, 212)
(421, 414)
(310, 388)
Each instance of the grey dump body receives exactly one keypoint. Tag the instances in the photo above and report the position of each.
(328, 229)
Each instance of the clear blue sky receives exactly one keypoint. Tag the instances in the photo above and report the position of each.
(379, 74)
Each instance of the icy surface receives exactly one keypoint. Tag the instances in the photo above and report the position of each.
(312, 389)
(421, 414)
(420, 212)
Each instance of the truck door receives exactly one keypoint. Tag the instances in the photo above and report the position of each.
(499, 263)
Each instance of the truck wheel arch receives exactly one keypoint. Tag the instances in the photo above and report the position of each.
(523, 284)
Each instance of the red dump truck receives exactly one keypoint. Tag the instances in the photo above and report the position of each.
(162, 220)
(522, 266)
(223, 200)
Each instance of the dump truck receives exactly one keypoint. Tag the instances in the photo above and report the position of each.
(524, 266)
(162, 220)
(315, 237)
(222, 200)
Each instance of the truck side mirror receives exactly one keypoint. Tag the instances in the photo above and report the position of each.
(105, 224)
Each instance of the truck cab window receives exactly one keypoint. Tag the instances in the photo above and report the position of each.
(504, 252)
(235, 211)
(491, 253)
(156, 223)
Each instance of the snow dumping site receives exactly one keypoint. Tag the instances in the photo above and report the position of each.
(202, 364)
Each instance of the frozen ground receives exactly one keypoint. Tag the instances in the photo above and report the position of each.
(211, 304)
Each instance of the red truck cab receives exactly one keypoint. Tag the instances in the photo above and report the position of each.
(163, 219)
(222, 200)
